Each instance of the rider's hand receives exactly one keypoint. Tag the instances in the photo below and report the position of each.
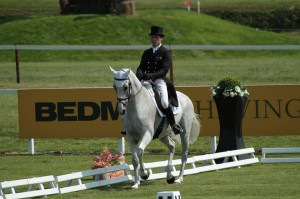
(139, 74)
(147, 76)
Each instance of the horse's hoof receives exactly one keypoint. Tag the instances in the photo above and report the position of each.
(171, 181)
(135, 186)
(145, 177)
(179, 181)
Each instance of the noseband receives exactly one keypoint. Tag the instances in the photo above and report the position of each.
(128, 97)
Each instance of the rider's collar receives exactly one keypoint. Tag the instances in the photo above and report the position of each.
(154, 49)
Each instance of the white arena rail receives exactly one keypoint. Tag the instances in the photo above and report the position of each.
(42, 190)
(205, 163)
(249, 152)
(279, 151)
(79, 185)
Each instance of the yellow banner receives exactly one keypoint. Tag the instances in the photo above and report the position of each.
(92, 112)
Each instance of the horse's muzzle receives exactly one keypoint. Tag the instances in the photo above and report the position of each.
(121, 108)
(123, 112)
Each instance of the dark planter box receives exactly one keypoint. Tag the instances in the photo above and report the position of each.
(230, 111)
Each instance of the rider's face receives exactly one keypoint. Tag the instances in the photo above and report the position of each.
(156, 40)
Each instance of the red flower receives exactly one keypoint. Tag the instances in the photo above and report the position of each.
(187, 3)
(107, 159)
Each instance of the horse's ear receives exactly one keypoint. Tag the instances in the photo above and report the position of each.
(127, 72)
(112, 70)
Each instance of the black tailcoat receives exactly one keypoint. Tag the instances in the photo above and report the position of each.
(158, 64)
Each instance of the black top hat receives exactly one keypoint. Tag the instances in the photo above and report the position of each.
(156, 30)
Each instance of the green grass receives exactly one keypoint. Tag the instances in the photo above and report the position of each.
(264, 68)
(180, 28)
(28, 4)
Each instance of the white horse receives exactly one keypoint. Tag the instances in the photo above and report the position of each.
(140, 119)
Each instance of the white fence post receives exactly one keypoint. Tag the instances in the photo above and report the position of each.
(213, 144)
(122, 145)
(31, 146)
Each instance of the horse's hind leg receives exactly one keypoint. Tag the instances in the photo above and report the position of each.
(184, 156)
(171, 145)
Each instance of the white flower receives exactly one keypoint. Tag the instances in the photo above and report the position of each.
(237, 89)
(232, 94)
(246, 92)
(225, 94)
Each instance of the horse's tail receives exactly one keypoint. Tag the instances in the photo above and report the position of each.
(196, 128)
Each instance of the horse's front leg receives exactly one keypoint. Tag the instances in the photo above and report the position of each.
(171, 146)
(135, 161)
(136, 166)
(140, 151)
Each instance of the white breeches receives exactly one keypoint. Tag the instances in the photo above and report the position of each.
(161, 86)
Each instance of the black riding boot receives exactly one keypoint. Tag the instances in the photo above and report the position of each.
(170, 116)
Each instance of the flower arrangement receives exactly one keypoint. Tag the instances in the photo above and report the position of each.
(229, 87)
(107, 159)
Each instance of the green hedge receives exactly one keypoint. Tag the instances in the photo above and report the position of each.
(271, 19)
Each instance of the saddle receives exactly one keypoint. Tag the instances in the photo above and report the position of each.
(155, 94)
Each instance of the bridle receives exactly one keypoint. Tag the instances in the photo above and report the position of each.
(129, 96)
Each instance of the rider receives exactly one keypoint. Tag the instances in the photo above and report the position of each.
(154, 66)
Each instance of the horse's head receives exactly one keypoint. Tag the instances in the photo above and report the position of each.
(122, 85)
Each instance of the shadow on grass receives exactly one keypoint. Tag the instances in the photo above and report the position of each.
(125, 186)
(9, 15)
(88, 16)
(6, 19)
